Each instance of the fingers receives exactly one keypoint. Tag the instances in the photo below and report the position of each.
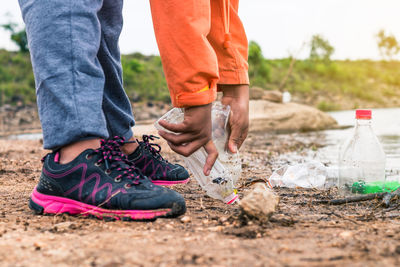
(176, 128)
(177, 139)
(211, 157)
(236, 138)
(188, 149)
(212, 153)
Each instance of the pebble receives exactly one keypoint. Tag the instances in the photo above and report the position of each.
(223, 219)
(186, 219)
(64, 226)
(218, 228)
(38, 245)
(346, 234)
(169, 227)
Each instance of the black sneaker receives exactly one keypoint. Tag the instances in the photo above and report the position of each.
(148, 160)
(102, 183)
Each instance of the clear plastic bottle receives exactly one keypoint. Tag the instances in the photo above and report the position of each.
(362, 159)
(220, 184)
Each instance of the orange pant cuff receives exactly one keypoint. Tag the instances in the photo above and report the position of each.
(195, 99)
(233, 77)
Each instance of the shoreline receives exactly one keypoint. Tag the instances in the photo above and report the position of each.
(297, 234)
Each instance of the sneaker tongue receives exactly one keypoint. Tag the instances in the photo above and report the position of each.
(111, 155)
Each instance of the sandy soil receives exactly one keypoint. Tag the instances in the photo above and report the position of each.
(299, 234)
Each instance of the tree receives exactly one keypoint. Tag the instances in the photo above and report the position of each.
(259, 70)
(17, 36)
(321, 49)
(388, 45)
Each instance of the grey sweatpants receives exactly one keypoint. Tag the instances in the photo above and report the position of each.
(77, 67)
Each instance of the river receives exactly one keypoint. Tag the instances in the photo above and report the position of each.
(385, 123)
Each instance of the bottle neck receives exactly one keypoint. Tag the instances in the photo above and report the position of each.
(363, 123)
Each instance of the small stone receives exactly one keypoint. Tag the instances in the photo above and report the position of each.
(169, 227)
(260, 203)
(64, 226)
(223, 219)
(205, 221)
(38, 245)
(346, 234)
(218, 228)
(186, 219)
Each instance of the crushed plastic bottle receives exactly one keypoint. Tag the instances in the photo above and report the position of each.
(311, 174)
(362, 159)
(220, 184)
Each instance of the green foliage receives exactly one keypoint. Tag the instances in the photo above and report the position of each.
(388, 45)
(259, 70)
(17, 36)
(144, 78)
(314, 82)
(327, 106)
(321, 50)
(16, 78)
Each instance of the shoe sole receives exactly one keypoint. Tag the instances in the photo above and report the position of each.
(169, 183)
(46, 204)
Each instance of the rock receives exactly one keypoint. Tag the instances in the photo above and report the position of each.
(273, 96)
(346, 234)
(64, 226)
(258, 93)
(260, 203)
(169, 227)
(287, 117)
(217, 228)
(186, 219)
(38, 245)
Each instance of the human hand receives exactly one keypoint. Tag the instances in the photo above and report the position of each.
(194, 132)
(237, 97)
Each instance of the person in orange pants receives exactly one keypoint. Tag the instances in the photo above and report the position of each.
(87, 118)
(203, 48)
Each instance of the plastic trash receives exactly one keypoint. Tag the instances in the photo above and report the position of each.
(220, 184)
(362, 159)
(374, 187)
(286, 97)
(307, 175)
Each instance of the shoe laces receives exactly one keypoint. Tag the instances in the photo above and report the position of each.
(154, 148)
(114, 159)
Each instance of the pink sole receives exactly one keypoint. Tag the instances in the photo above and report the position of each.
(169, 183)
(57, 205)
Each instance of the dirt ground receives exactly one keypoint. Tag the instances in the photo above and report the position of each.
(213, 234)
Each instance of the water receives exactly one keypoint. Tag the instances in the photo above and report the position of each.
(385, 124)
(25, 136)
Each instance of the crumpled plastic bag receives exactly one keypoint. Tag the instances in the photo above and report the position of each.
(311, 174)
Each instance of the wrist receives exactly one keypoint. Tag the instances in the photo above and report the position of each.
(234, 90)
(204, 107)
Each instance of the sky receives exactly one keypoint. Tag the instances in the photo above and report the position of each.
(280, 27)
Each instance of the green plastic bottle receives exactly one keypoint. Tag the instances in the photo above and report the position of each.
(374, 187)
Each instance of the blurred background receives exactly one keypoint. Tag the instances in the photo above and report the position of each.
(332, 54)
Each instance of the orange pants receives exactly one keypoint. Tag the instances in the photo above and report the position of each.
(202, 43)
